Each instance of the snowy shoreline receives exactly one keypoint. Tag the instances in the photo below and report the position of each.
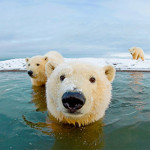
(19, 65)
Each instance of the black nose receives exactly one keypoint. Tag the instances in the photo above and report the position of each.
(30, 73)
(73, 101)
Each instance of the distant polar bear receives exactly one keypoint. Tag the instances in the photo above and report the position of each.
(137, 53)
(36, 66)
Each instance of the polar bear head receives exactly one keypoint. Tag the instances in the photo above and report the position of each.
(77, 92)
(36, 67)
(132, 50)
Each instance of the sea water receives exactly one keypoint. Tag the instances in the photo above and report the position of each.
(25, 125)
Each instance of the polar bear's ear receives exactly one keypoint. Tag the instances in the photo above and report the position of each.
(110, 72)
(27, 59)
(50, 66)
(46, 58)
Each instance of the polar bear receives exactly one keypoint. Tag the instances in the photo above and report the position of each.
(137, 53)
(78, 93)
(36, 66)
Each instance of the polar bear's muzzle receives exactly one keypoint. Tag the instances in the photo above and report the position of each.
(73, 101)
(30, 73)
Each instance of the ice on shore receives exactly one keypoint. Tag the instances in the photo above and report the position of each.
(118, 63)
(13, 64)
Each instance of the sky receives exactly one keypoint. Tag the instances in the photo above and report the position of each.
(75, 28)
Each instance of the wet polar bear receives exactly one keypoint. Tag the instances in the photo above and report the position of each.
(36, 66)
(78, 93)
(137, 53)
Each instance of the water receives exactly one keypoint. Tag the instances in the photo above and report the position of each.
(24, 123)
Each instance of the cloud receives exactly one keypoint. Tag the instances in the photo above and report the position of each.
(127, 10)
(73, 27)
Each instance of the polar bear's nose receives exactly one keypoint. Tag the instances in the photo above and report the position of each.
(73, 101)
(30, 73)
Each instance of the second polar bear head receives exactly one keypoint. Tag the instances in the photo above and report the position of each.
(78, 93)
(36, 66)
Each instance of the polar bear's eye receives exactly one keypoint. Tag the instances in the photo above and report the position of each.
(62, 77)
(92, 79)
(28, 64)
(37, 64)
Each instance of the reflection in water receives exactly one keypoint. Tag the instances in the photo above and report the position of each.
(137, 77)
(39, 98)
(71, 137)
(137, 86)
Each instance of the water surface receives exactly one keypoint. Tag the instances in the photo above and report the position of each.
(25, 124)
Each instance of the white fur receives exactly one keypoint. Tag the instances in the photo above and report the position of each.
(77, 75)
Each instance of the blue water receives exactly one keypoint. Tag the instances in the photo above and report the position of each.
(24, 124)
